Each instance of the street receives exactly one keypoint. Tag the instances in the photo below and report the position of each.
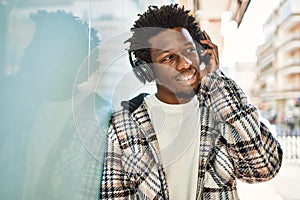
(285, 186)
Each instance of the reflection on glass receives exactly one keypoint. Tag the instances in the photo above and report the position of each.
(44, 44)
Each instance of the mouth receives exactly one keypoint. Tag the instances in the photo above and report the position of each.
(187, 77)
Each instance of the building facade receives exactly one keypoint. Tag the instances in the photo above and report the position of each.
(278, 62)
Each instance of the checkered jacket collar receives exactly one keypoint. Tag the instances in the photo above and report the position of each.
(141, 117)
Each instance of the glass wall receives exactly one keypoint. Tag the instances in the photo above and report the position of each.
(63, 67)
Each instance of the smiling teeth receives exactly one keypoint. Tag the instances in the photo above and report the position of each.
(186, 78)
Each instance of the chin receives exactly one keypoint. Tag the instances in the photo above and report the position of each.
(186, 95)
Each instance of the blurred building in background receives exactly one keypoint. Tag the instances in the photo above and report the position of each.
(278, 74)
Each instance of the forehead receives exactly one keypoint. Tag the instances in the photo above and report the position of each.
(171, 38)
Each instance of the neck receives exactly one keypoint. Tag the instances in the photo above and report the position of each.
(173, 99)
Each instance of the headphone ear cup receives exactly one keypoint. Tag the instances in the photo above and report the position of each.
(143, 71)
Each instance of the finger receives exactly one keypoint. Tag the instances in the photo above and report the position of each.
(216, 50)
(211, 52)
(212, 46)
(208, 43)
(206, 36)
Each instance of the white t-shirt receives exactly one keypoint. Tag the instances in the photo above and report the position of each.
(178, 132)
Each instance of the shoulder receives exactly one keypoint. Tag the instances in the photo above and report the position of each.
(119, 117)
(127, 108)
(134, 103)
(123, 119)
(126, 128)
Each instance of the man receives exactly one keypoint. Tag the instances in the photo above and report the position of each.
(197, 134)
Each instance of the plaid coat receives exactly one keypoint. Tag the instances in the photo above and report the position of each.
(233, 144)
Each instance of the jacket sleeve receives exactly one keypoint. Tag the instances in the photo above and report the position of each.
(255, 153)
(115, 183)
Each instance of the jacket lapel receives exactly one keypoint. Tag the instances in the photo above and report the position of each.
(153, 184)
(206, 140)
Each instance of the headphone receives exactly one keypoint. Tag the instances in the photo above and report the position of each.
(141, 69)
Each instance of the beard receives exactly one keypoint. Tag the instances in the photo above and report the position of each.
(187, 94)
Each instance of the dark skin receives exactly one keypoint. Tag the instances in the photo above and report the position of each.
(176, 64)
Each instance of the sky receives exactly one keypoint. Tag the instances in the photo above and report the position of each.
(241, 43)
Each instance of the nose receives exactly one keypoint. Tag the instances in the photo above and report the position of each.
(184, 63)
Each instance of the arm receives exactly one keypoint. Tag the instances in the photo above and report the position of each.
(255, 153)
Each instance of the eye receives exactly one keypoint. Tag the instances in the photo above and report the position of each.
(191, 50)
(167, 58)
